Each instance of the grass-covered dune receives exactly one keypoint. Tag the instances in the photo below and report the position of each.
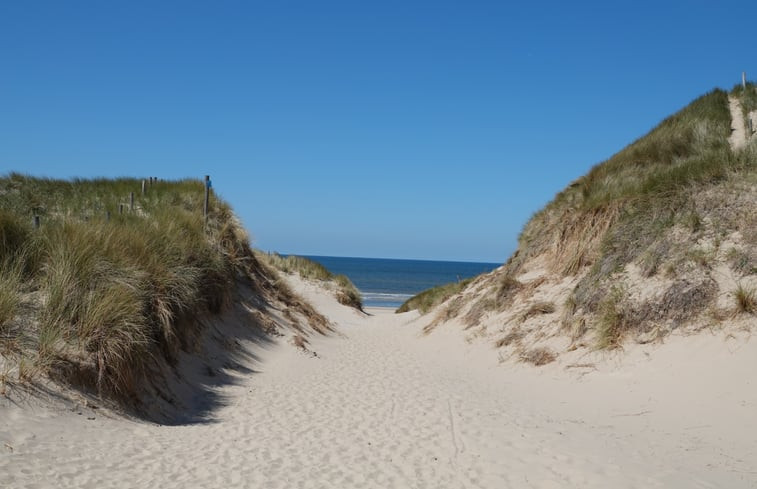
(346, 292)
(428, 299)
(103, 295)
(660, 235)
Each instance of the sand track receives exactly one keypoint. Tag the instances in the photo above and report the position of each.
(380, 407)
(739, 136)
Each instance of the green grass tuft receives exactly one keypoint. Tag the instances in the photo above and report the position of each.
(612, 320)
(10, 292)
(428, 299)
(746, 299)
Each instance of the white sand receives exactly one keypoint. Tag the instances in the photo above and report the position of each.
(382, 406)
(739, 133)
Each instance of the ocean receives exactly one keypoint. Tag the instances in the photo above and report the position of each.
(389, 283)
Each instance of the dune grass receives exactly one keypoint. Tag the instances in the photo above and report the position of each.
(651, 174)
(746, 299)
(621, 211)
(347, 293)
(538, 356)
(10, 292)
(118, 293)
(428, 299)
(648, 204)
(538, 308)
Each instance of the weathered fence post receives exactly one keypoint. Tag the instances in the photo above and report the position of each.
(207, 197)
(107, 216)
(743, 80)
(131, 201)
(120, 208)
(144, 186)
(36, 222)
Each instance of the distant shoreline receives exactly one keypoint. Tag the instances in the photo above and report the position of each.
(385, 282)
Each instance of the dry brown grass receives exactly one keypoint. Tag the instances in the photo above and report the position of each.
(478, 310)
(538, 308)
(514, 336)
(683, 300)
(538, 356)
(507, 288)
(746, 299)
(448, 312)
(742, 261)
(653, 257)
(613, 319)
(300, 341)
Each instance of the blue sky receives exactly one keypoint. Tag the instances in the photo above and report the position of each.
(400, 129)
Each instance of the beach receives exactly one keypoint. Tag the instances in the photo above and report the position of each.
(379, 404)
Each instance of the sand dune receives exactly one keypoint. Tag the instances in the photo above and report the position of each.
(379, 405)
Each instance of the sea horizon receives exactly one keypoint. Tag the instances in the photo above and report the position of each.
(389, 282)
(311, 255)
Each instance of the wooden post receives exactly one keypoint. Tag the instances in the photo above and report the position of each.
(36, 222)
(120, 208)
(144, 186)
(207, 197)
(743, 80)
(107, 216)
(131, 201)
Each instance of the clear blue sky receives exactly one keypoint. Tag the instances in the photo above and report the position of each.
(403, 129)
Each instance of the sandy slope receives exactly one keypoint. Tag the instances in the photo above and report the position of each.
(381, 406)
(739, 137)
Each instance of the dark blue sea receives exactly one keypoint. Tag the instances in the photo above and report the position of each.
(389, 283)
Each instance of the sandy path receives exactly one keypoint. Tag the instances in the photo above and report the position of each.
(738, 138)
(379, 407)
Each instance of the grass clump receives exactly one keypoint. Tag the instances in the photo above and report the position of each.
(428, 299)
(612, 320)
(507, 287)
(746, 299)
(538, 308)
(348, 294)
(515, 335)
(538, 356)
(10, 292)
(741, 261)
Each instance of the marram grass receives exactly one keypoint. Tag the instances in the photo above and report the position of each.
(114, 288)
(347, 293)
(649, 205)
